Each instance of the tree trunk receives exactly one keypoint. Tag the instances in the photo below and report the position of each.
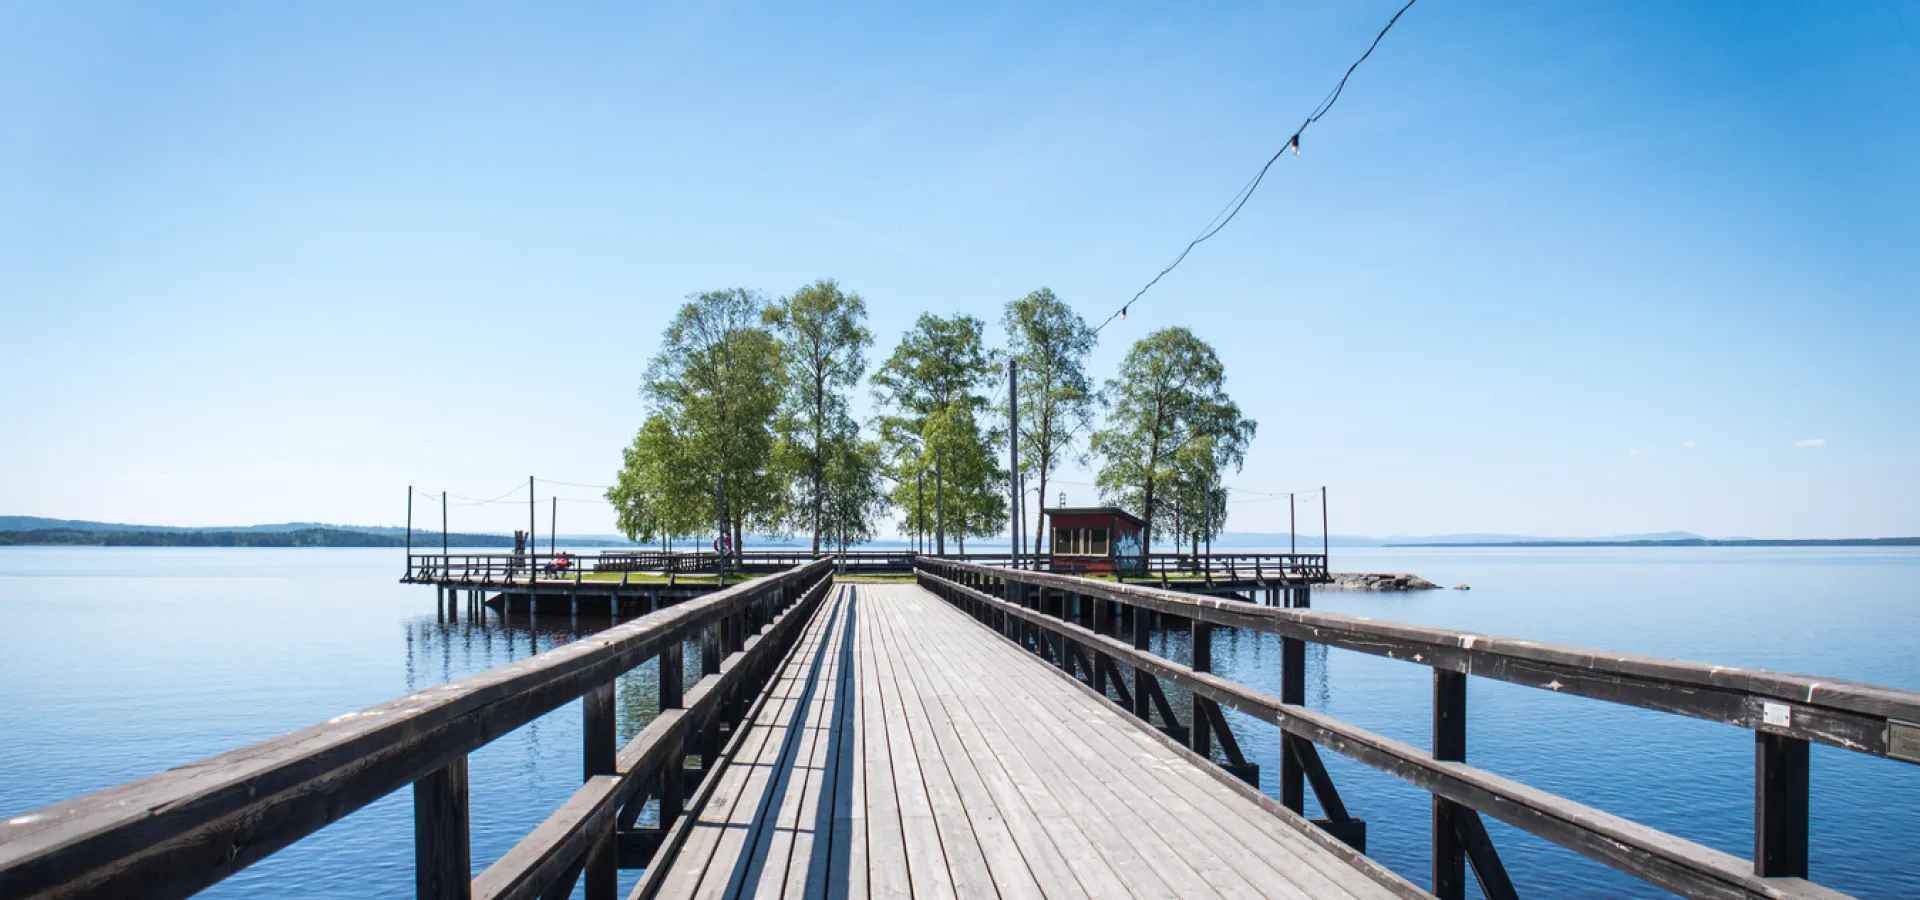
(1040, 523)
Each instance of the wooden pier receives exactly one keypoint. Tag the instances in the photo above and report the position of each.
(986, 731)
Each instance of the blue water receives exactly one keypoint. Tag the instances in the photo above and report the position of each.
(119, 662)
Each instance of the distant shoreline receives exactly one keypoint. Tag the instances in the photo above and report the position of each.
(1696, 542)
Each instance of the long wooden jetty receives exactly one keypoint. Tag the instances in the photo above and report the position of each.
(637, 582)
(984, 731)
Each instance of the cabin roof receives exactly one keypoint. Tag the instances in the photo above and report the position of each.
(1094, 511)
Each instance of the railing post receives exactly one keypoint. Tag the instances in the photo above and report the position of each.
(597, 757)
(673, 778)
(1143, 641)
(1202, 662)
(1780, 787)
(442, 856)
(1293, 691)
(1450, 745)
(1102, 625)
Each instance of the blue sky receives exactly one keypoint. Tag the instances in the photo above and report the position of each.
(1548, 268)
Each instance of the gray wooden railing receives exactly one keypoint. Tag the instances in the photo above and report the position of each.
(1078, 623)
(174, 833)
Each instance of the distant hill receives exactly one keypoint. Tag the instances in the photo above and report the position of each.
(299, 537)
(1699, 542)
(1309, 542)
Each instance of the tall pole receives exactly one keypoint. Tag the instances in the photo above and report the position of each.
(1293, 542)
(939, 508)
(920, 512)
(1013, 457)
(1325, 540)
(532, 548)
(720, 510)
(443, 525)
(409, 530)
(553, 524)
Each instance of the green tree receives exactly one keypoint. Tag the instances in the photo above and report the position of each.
(1171, 391)
(929, 394)
(854, 500)
(1196, 499)
(719, 378)
(657, 495)
(1051, 343)
(823, 338)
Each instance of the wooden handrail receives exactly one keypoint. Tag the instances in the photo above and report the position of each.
(179, 831)
(1785, 710)
(1847, 714)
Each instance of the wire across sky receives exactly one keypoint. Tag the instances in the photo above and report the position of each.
(1240, 199)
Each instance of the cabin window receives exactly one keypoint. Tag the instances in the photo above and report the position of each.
(1081, 542)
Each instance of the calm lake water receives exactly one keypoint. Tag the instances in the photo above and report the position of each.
(119, 662)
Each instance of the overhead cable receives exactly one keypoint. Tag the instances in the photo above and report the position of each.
(1240, 199)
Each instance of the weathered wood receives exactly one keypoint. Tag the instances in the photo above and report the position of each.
(1780, 806)
(544, 859)
(441, 860)
(1176, 794)
(1653, 856)
(1488, 870)
(1293, 692)
(174, 833)
(1840, 713)
(1449, 745)
(598, 757)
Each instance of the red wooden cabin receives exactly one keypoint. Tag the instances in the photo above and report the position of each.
(1095, 539)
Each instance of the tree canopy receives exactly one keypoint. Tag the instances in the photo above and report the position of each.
(719, 378)
(1050, 343)
(929, 392)
(823, 341)
(1170, 394)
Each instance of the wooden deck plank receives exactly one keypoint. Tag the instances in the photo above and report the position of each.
(784, 849)
(905, 750)
(887, 874)
(1135, 759)
(964, 860)
(847, 855)
(1150, 865)
(926, 859)
(1002, 818)
(710, 858)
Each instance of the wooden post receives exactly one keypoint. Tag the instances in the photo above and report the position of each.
(1293, 691)
(1142, 640)
(1780, 788)
(1202, 662)
(597, 758)
(409, 532)
(442, 861)
(1013, 460)
(1449, 744)
(1103, 625)
(1326, 540)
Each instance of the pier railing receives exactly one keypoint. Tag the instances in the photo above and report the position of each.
(1092, 628)
(1239, 568)
(507, 569)
(171, 834)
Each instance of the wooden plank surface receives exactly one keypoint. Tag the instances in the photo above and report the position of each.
(907, 751)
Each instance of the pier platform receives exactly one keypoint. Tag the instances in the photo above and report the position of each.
(906, 750)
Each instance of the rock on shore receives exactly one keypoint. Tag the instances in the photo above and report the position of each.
(1371, 581)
